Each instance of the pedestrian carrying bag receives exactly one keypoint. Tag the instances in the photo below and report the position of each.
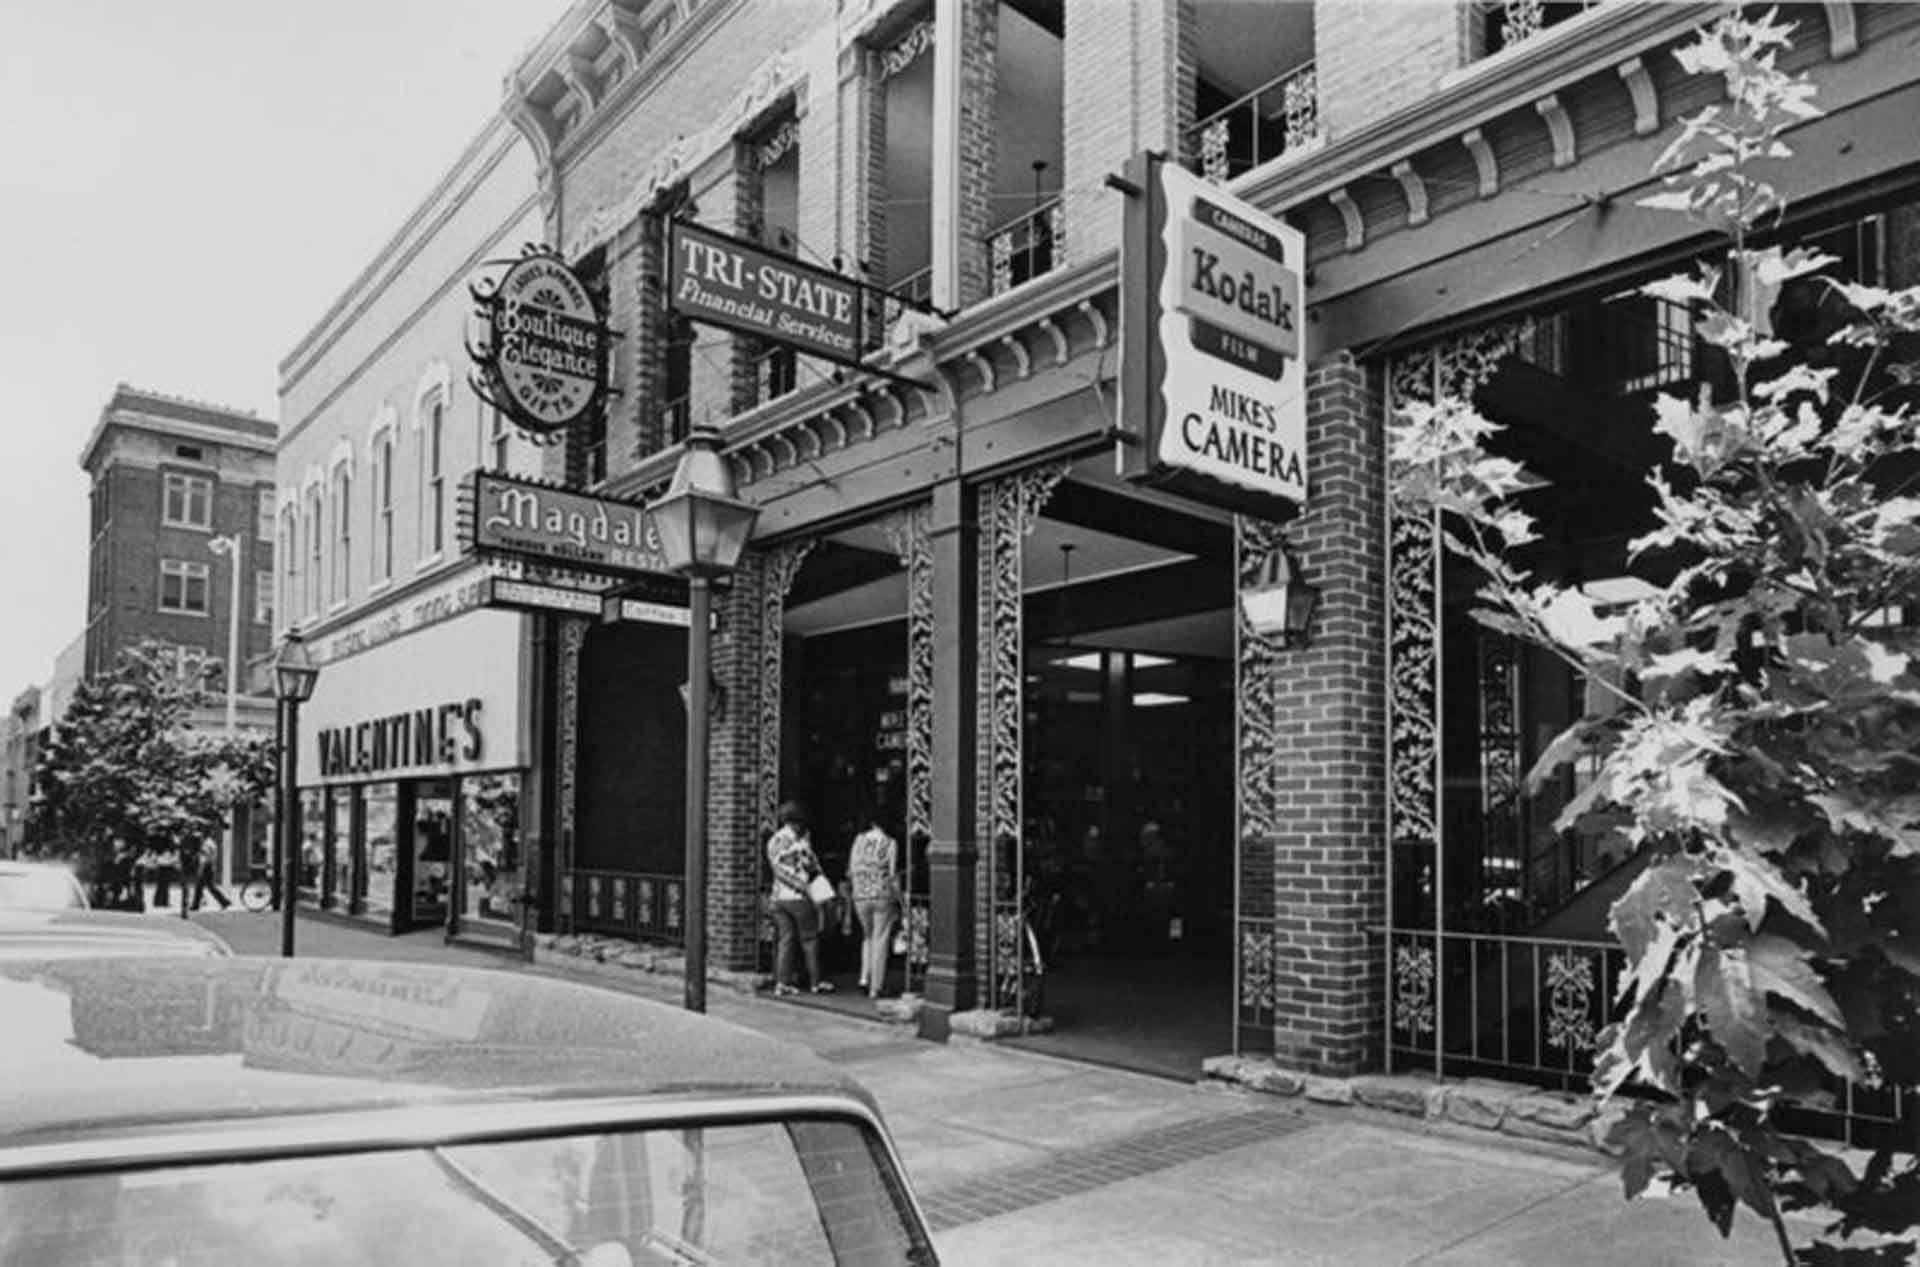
(820, 889)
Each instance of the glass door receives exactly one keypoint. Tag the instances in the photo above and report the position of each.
(432, 850)
(493, 871)
(379, 869)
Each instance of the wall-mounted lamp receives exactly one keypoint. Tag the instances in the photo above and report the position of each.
(1282, 604)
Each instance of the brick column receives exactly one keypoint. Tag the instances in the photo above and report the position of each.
(965, 51)
(1376, 57)
(1329, 717)
(733, 829)
(626, 297)
(647, 334)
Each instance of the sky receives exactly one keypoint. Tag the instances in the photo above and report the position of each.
(184, 189)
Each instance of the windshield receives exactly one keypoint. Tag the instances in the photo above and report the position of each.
(40, 890)
(796, 1192)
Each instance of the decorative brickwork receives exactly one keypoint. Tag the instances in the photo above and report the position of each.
(1327, 744)
(734, 836)
(979, 55)
(1378, 56)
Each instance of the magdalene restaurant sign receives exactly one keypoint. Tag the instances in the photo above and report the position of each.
(542, 359)
(726, 282)
(1212, 381)
(528, 520)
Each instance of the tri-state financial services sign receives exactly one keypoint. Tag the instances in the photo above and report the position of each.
(728, 282)
(1212, 388)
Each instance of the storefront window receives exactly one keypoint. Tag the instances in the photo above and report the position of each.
(382, 830)
(493, 874)
(432, 849)
(340, 866)
(313, 841)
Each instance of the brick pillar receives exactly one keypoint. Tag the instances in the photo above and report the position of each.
(965, 51)
(748, 222)
(1329, 719)
(733, 829)
(1376, 57)
(625, 314)
(1127, 85)
(647, 335)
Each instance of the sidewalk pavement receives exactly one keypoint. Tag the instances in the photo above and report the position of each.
(1021, 1158)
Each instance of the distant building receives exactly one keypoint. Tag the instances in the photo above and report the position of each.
(170, 477)
(19, 748)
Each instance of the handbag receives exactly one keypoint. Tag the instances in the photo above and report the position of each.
(820, 889)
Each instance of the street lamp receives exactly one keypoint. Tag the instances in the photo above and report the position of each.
(703, 528)
(294, 674)
(233, 547)
(1282, 602)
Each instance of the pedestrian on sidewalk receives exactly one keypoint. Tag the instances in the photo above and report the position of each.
(795, 918)
(205, 880)
(873, 872)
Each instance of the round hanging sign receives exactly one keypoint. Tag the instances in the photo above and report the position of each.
(546, 345)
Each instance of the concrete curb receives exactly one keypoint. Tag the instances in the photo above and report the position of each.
(622, 960)
(1485, 1104)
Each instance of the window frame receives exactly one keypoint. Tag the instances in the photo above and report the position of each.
(340, 577)
(316, 553)
(433, 477)
(185, 571)
(263, 596)
(185, 482)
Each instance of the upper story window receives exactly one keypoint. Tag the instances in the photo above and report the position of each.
(186, 501)
(183, 587)
(263, 519)
(499, 446)
(1028, 228)
(101, 506)
(433, 479)
(773, 162)
(263, 598)
(383, 507)
(1256, 89)
(342, 531)
(900, 210)
(316, 550)
(287, 557)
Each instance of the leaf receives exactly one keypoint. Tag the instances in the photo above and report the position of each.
(1662, 891)
(1755, 881)
(1725, 993)
(1781, 967)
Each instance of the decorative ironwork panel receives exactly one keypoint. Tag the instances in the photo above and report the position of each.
(573, 635)
(1571, 1024)
(1213, 150)
(907, 533)
(779, 566)
(1413, 993)
(1258, 995)
(1256, 541)
(1501, 860)
(1009, 509)
(1300, 108)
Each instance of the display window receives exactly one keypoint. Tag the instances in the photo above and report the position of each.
(313, 842)
(432, 855)
(493, 877)
(380, 831)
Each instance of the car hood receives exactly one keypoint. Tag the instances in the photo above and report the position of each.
(63, 934)
(106, 1045)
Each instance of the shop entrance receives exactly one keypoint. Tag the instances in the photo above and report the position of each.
(1128, 790)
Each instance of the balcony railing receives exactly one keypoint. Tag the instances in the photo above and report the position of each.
(1280, 116)
(1028, 246)
(1509, 22)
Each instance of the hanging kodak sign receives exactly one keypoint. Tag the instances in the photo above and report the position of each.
(1213, 399)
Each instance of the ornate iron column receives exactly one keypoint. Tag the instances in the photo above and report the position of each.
(907, 531)
(1256, 794)
(573, 635)
(1009, 508)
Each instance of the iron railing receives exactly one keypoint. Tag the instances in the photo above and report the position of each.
(636, 904)
(1027, 246)
(1280, 116)
(1509, 22)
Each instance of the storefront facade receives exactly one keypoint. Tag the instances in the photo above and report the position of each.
(959, 614)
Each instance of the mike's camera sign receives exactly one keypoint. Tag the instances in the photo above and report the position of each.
(543, 358)
(1212, 382)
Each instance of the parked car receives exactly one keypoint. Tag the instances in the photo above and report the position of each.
(40, 886)
(271, 1111)
(69, 934)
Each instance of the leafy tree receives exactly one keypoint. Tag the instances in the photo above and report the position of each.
(124, 773)
(1762, 744)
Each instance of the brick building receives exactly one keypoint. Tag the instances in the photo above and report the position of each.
(379, 437)
(1042, 673)
(20, 738)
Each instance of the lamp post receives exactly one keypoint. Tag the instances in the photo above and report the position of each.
(294, 673)
(232, 546)
(1283, 602)
(703, 528)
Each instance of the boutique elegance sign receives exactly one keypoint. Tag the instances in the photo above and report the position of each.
(528, 520)
(728, 282)
(542, 357)
(1213, 386)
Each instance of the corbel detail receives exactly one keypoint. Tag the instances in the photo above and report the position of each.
(792, 453)
(836, 431)
(984, 367)
(1415, 189)
(1059, 337)
(1097, 321)
(1646, 101)
(862, 417)
(1843, 38)
(1483, 161)
(628, 34)
(802, 435)
(581, 76)
(743, 472)
(1350, 216)
(1022, 360)
(1559, 127)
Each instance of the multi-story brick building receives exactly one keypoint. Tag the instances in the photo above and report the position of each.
(20, 738)
(1043, 673)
